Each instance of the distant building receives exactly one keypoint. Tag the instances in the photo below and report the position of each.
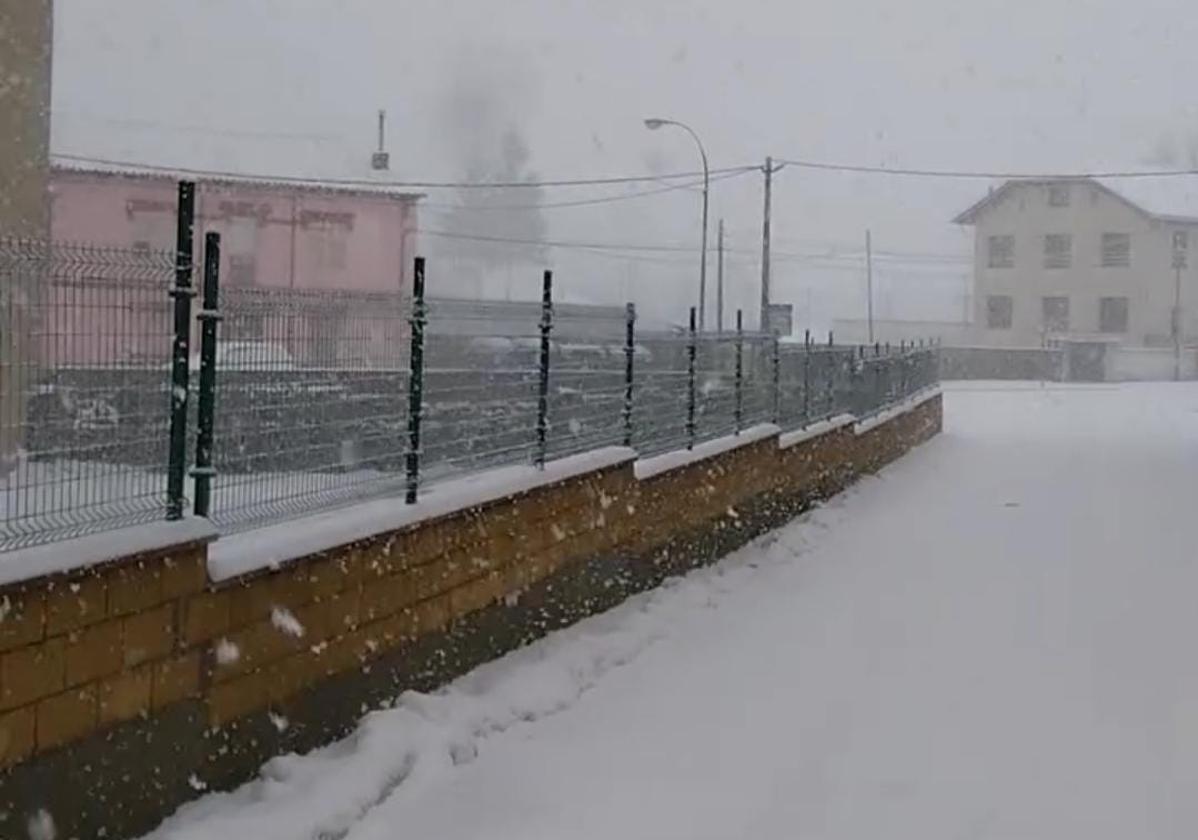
(275, 234)
(305, 266)
(1084, 259)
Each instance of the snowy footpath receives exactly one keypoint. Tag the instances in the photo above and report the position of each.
(997, 637)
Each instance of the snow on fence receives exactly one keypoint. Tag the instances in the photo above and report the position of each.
(315, 391)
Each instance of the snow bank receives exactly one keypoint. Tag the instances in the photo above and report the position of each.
(649, 467)
(271, 546)
(70, 555)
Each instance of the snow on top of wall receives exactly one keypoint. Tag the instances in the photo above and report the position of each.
(823, 427)
(70, 555)
(649, 467)
(883, 417)
(274, 545)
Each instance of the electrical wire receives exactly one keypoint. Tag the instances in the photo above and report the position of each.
(581, 202)
(982, 174)
(383, 182)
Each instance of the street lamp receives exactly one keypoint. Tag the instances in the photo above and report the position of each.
(653, 124)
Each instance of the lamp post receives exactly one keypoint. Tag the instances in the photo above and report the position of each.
(654, 125)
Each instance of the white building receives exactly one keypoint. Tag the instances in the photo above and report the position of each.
(1086, 259)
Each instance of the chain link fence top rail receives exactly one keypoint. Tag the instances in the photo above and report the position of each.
(85, 342)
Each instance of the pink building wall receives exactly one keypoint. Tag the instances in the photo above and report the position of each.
(294, 246)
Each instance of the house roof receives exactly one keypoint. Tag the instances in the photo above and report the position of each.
(314, 185)
(1165, 198)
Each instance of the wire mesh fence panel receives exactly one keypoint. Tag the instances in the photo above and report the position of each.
(480, 392)
(311, 401)
(792, 386)
(85, 344)
(660, 395)
(715, 387)
(758, 381)
(586, 392)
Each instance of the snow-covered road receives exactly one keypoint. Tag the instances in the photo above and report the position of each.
(993, 639)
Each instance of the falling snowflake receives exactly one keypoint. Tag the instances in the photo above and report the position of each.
(41, 826)
(227, 652)
(285, 622)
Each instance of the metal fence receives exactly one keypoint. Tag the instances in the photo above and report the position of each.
(85, 338)
(124, 400)
(311, 401)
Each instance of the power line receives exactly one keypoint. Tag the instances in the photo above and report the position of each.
(551, 243)
(582, 202)
(949, 173)
(637, 252)
(370, 182)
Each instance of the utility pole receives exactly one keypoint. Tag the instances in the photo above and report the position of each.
(869, 282)
(1179, 262)
(765, 246)
(719, 282)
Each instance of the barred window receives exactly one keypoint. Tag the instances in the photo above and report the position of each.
(1112, 314)
(1058, 195)
(1058, 250)
(1055, 311)
(1116, 250)
(1000, 310)
(1001, 252)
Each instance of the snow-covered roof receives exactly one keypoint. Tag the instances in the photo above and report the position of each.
(1171, 198)
(1174, 198)
(342, 187)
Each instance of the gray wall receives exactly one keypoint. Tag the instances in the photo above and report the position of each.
(26, 28)
(1001, 363)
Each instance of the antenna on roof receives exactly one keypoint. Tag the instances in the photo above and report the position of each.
(381, 160)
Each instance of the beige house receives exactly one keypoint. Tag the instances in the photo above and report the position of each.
(1085, 259)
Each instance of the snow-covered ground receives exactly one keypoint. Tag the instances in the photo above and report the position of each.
(992, 639)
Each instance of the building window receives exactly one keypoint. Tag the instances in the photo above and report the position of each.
(1058, 195)
(1116, 250)
(1058, 250)
(1181, 240)
(1055, 311)
(999, 312)
(1112, 314)
(1001, 252)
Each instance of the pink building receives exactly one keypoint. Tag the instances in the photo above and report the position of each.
(299, 262)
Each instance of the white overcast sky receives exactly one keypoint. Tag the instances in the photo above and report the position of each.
(291, 87)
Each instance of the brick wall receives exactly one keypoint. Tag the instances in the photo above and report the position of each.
(80, 653)
(155, 681)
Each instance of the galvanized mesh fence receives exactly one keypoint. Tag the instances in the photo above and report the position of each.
(316, 397)
(310, 403)
(480, 394)
(85, 338)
